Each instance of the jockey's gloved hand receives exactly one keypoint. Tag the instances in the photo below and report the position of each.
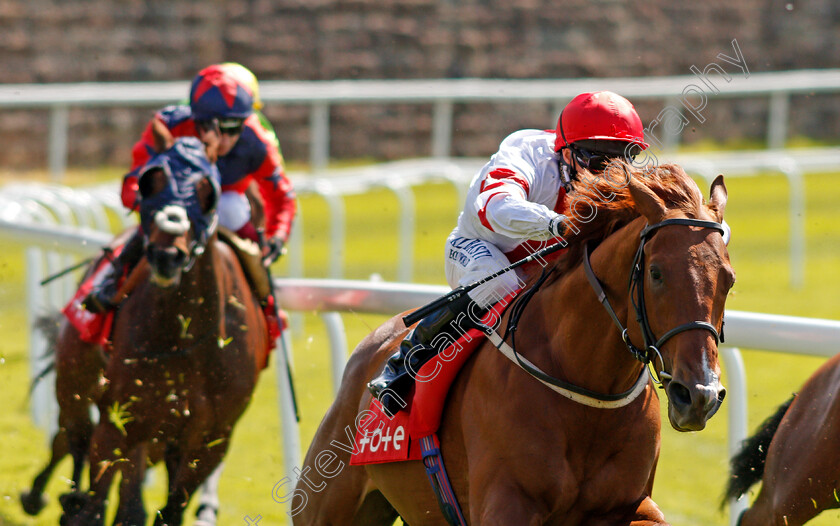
(276, 248)
(557, 226)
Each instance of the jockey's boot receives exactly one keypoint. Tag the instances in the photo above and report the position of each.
(393, 385)
(99, 299)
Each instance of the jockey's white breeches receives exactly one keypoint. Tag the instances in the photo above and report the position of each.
(234, 210)
(470, 260)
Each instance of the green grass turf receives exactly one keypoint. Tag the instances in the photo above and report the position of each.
(692, 469)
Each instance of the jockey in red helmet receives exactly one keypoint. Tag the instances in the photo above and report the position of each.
(595, 127)
(220, 110)
(514, 205)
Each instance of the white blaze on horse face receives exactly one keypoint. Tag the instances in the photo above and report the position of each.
(173, 220)
(711, 380)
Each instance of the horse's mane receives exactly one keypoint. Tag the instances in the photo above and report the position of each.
(609, 197)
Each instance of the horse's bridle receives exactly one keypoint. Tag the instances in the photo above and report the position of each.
(646, 355)
(195, 247)
(636, 289)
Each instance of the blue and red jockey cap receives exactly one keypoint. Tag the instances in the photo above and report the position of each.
(217, 94)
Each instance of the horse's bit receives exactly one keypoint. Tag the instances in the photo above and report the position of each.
(651, 349)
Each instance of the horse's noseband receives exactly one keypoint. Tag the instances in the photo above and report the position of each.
(173, 220)
(646, 355)
(636, 290)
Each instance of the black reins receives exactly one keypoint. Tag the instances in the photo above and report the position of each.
(648, 353)
(636, 290)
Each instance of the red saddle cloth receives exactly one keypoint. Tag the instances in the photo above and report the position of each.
(92, 328)
(380, 438)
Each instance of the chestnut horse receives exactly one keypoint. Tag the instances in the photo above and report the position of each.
(516, 451)
(795, 455)
(188, 345)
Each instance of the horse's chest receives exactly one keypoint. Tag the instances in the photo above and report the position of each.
(587, 462)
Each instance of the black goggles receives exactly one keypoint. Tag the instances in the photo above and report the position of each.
(598, 161)
(224, 126)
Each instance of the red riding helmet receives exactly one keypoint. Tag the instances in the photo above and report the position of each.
(216, 94)
(602, 115)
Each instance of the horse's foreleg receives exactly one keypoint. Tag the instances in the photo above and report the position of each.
(649, 514)
(774, 510)
(78, 366)
(78, 444)
(33, 501)
(502, 505)
(106, 444)
(208, 506)
(193, 468)
(131, 510)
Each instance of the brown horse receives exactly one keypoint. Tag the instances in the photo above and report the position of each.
(516, 451)
(794, 454)
(188, 345)
(78, 368)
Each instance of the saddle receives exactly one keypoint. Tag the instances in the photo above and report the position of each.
(380, 438)
(249, 255)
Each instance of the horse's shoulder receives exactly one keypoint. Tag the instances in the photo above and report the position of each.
(369, 354)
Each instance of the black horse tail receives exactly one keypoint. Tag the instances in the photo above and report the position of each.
(48, 325)
(747, 466)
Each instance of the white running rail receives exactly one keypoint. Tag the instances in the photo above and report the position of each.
(443, 94)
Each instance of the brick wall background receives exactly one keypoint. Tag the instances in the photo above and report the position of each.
(136, 40)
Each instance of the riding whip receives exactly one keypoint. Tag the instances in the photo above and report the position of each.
(412, 318)
(283, 347)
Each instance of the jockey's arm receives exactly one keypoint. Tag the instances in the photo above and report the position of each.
(503, 207)
(277, 194)
(280, 205)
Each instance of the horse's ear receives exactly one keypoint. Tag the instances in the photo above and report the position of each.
(717, 198)
(162, 136)
(647, 202)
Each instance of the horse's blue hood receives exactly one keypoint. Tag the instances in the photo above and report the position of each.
(184, 164)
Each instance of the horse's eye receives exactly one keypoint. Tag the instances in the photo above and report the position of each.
(655, 274)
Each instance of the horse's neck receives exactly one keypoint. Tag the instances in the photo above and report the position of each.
(585, 345)
(196, 299)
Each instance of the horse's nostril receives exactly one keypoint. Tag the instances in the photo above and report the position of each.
(721, 395)
(680, 394)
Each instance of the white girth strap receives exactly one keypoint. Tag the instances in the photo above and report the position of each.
(641, 383)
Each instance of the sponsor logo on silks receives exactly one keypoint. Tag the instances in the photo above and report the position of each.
(382, 438)
(475, 248)
(459, 257)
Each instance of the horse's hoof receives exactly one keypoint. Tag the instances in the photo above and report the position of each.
(205, 516)
(32, 503)
(72, 503)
